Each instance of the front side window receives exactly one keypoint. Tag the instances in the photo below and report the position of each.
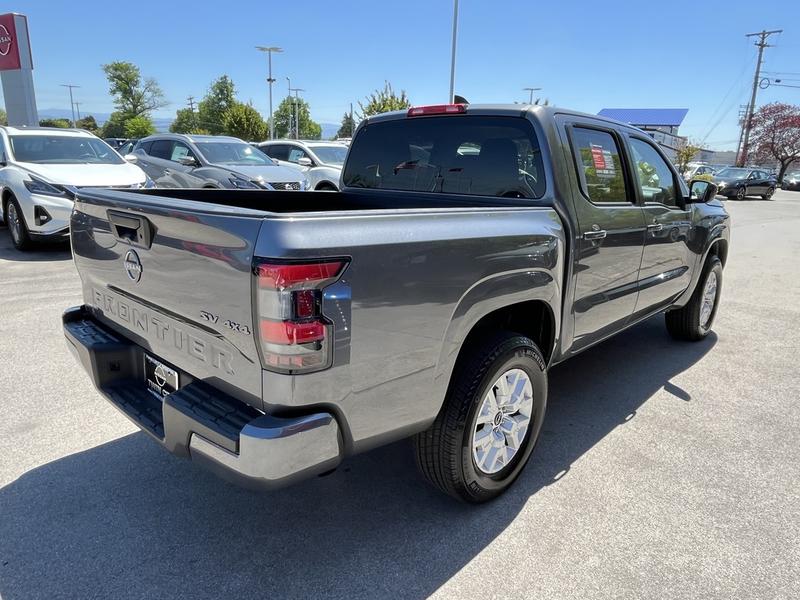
(330, 155)
(295, 154)
(600, 166)
(180, 151)
(454, 154)
(655, 178)
(63, 149)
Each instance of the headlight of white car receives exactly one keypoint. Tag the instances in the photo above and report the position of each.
(37, 186)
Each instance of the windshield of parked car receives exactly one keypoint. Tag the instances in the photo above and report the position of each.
(233, 153)
(330, 155)
(455, 154)
(63, 149)
(733, 173)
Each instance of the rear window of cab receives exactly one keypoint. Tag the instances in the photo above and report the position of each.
(451, 154)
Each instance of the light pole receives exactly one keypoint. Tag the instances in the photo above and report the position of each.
(531, 90)
(296, 111)
(270, 80)
(78, 110)
(71, 104)
(453, 53)
(291, 116)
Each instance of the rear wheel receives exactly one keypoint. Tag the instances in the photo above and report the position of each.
(15, 221)
(693, 322)
(490, 420)
(769, 193)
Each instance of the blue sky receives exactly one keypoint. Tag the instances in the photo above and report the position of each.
(586, 56)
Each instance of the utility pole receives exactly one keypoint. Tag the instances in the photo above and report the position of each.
(190, 102)
(531, 90)
(270, 80)
(743, 110)
(78, 110)
(451, 98)
(352, 122)
(71, 103)
(291, 115)
(296, 111)
(748, 122)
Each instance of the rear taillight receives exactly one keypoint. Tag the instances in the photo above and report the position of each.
(294, 334)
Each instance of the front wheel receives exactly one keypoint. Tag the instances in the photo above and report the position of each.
(15, 221)
(741, 193)
(490, 420)
(693, 322)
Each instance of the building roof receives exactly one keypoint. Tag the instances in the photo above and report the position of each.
(663, 117)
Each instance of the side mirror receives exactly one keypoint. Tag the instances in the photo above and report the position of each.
(131, 158)
(187, 161)
(701, 191)
(304, 161)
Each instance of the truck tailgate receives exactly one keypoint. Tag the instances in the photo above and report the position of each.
(175, 277)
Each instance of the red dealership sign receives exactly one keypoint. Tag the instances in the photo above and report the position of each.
(9, 44)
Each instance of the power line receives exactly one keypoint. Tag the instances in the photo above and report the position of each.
(762, 35)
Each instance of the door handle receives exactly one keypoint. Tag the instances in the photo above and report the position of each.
(595, 234)
(655, 227)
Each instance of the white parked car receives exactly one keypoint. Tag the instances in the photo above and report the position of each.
(39, 166)
(320, 161)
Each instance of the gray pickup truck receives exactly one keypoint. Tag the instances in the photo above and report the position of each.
(271, 334)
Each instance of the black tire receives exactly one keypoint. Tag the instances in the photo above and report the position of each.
(326, 187)
(444, 451)
(18, 230)
(769, 193)
(741, 193)
(685, 323)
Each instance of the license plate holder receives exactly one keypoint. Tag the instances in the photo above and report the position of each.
(161, 380)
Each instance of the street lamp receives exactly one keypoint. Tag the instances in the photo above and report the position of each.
(531, 90)
(270, 80)
(453, 53)
(296, 110)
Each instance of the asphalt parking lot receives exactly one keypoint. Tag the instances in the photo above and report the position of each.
(665, 470)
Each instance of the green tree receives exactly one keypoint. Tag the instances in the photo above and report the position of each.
(186, 121)
(139, 127)
(381, 101)
(115, 126)
(133, 95)
(3, 117)
(348, 126)
(245, 122)
(684, 154)
(285, 120)
(61, 123)
(88, 123)
(211, 110)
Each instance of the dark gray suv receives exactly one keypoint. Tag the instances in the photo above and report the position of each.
(175, 160)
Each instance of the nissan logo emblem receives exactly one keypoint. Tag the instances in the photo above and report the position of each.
(133, 266)
(5, 41)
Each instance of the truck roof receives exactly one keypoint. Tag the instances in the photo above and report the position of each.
(511, 110)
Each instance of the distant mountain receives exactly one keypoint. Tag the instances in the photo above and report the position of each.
(329, 130)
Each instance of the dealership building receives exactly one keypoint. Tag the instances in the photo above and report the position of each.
(661, 124)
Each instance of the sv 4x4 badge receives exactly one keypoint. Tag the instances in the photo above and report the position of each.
(232, 325)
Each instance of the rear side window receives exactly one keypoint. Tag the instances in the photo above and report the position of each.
(276, 151)
(455, 154)
(161, 149)
(599, 165)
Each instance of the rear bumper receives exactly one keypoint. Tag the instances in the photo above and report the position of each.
(198, 421)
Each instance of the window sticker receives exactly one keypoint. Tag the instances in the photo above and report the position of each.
(603, 162)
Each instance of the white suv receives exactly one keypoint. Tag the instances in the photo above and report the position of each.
(38, 168)
(320, 161)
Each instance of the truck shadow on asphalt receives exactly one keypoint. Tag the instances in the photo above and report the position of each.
(38, 252)
(126, 519)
